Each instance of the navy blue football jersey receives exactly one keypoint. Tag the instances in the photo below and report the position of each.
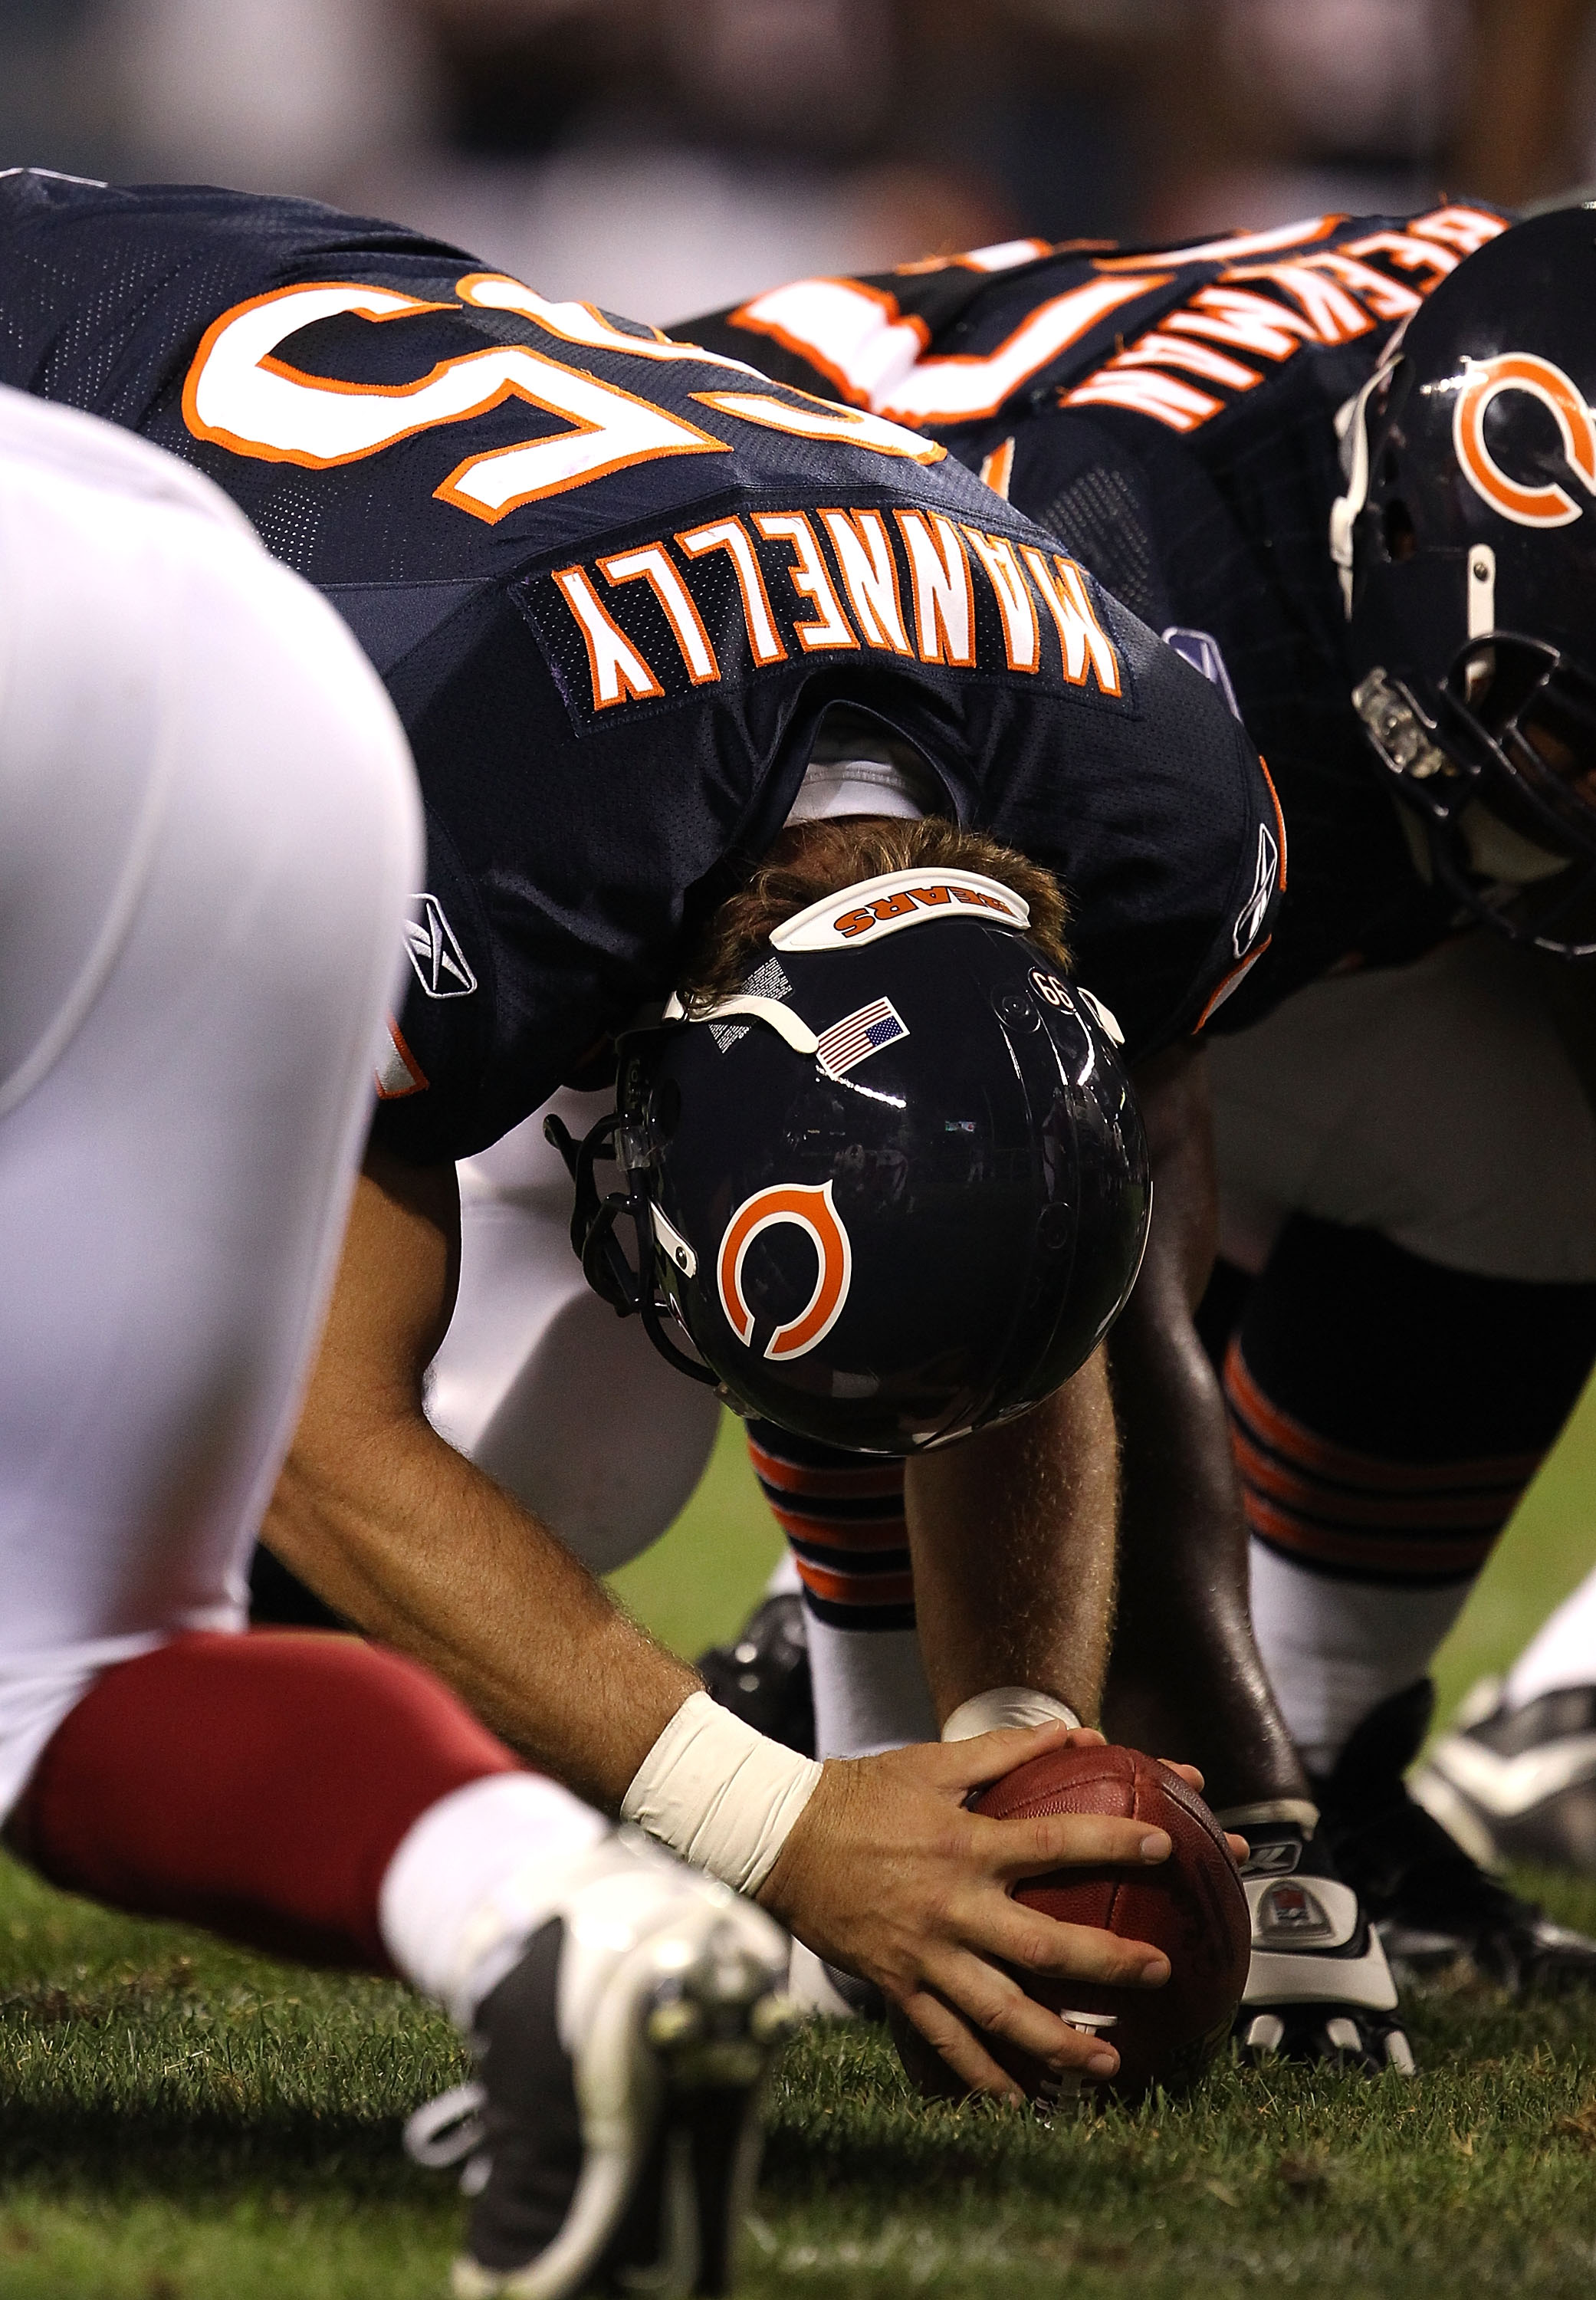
(1169, 415)
(612, 583)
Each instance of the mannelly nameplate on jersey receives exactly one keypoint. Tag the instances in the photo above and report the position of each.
(754, 587)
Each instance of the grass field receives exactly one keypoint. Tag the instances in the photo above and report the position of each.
(181, 2122)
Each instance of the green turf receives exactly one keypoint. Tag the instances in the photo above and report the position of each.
(179, 2121)
(700, 1582)
(1547, 1550)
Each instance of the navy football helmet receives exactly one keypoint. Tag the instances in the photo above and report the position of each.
(1466, 542)
(894, 1190)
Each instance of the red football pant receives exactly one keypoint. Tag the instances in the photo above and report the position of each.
(257, 1785)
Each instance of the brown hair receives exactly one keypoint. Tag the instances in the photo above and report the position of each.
(812, 859)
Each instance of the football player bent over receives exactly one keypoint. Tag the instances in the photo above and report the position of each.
(884, 1167)
(1341, 467)
(209, 824)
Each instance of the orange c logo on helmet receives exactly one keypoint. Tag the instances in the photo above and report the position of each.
(812, 1211)
(1550, 505)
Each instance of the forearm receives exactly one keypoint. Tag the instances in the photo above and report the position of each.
(1011, 1535)
(413, 1543)
(1186, 1672)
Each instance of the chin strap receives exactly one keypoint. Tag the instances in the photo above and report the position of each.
(604, 1264)
(770, 1010)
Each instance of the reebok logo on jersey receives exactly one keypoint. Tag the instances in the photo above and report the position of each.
(1255, 909)
(441, 966)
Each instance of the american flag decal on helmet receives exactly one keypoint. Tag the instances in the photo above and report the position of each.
(857, 1036)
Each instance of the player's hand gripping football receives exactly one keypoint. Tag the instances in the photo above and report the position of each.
(888, 1875)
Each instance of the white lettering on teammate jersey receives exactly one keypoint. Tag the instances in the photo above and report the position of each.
(944, 611)
(857, 337)
(1281, 288)
(1022, 636)
(1324, 296)
(241, 396)
(864, 553)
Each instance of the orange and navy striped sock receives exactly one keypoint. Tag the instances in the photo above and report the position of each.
(1386, 1415)
(1341, 1511)
(843, 1515)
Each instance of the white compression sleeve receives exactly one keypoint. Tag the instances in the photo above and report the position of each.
(719, 1793)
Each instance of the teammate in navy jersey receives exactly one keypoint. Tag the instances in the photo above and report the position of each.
(1406, 1159)
(620, 590)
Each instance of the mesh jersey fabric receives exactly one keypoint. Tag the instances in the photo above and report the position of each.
(588, 796)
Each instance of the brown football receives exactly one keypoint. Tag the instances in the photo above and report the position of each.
(1191, 1906)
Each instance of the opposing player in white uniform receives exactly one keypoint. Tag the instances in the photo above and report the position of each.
(1515, 1778)
(208, 829)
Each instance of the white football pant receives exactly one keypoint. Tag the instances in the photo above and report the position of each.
(568, 1406)
(208, 830)
(1433, 1102)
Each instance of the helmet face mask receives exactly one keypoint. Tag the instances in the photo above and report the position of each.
(1510, 734)
(1466, 541)
(919, 1226)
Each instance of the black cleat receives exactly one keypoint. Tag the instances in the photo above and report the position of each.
(1318, 1987)
(1431, 1903)
(612, 2138)
(1519, 1784)
(764, 1677)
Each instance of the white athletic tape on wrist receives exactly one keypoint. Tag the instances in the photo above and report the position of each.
(719, 1793)
(1006, 1704)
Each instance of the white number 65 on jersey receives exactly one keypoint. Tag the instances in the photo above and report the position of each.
(239, 394)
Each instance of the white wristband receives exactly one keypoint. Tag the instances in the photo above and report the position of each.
(719, 1793)
(1006, 1704)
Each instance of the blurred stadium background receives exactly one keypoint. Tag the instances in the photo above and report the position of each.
(665, 156)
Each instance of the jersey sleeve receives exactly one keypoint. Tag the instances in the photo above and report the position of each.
(561, 877)
(1170, 855)
(1166, 943)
